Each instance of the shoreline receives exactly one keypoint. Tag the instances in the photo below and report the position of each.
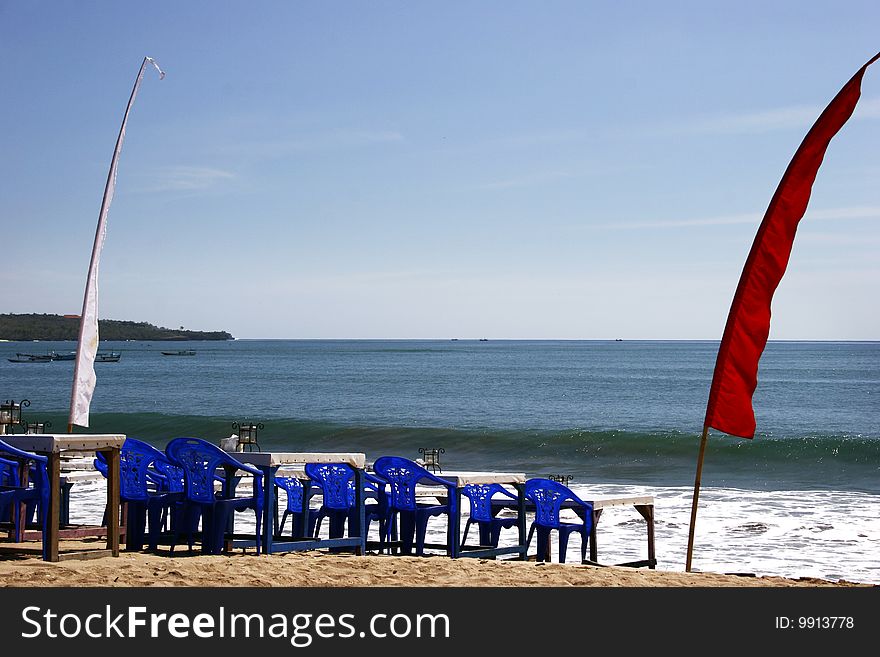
(318, 569)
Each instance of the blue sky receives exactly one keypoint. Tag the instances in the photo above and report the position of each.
(570, 170)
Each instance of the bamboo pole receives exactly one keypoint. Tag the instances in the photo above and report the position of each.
(690, 546)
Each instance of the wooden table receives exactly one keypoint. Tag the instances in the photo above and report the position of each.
(53, 446)
(644, 504)
(462, 479)
(270, 462)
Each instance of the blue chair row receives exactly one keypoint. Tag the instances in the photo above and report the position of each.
(336, 484)
(393, 487)
(547, 496)
(180, 481)
(179, 484)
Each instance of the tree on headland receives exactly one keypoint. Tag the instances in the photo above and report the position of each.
(58, 327)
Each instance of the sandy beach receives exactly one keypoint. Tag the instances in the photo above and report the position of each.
(318, 569)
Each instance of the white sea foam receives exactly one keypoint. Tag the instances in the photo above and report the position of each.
(824, 534)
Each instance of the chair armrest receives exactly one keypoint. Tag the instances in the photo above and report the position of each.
(508, 493)
(20, 453)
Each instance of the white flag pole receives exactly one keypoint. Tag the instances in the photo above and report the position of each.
(87, 346)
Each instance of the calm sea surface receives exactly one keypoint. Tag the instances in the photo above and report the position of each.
(619, 417)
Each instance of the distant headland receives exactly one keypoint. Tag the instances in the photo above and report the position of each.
(66, 327)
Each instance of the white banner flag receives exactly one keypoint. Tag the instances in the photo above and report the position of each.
(84, 378)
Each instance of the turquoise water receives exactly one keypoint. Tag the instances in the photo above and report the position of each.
(622, 418)
(622, 412)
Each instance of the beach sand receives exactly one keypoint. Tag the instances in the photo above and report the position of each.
(319, 569)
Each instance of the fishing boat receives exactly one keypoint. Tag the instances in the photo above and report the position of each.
(181, 352)
(31, 358)
(107, 357)
(70, 355)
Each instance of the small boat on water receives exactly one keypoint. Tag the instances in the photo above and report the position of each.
(100, 357)
(31, 358)
(182, 352)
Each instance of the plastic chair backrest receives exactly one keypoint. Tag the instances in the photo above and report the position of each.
(135, 474)
(200, 460)
(548, 496)
(173, 477)
(39, 474)
(294, 489)
(480, 497)
(402, 475)
(336, 481)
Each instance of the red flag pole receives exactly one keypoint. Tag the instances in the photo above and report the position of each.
(697, 479)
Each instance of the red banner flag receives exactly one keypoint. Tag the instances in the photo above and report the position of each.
(729, 408)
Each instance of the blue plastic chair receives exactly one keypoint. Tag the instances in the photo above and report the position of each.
(336, 481)
(35, 495)
(150, 485)
(200, 461)
(548, 497)
(294, 489)
(481, 513)
(402, 476)
(377, 508)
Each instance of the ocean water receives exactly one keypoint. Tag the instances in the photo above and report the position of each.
(619, 417)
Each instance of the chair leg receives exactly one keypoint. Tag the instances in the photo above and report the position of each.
(407, 532)
(384, 534)
(135, 525)
(467, 525)
(543, 544)
(337, 524)
(485, 533)
(259, 524)
(212, 538)
(156, 515)
(563, 545)
(529, 539)
(279, 527)
(421, 532)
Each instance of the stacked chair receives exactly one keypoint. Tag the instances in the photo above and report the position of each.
(200, 461)
(23, 501)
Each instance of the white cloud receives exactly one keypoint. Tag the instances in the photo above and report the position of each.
(768, 120)
(342, 140)
(188, 178)
(827, 214)
(527, 180)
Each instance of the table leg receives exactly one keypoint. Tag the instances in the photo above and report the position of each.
(454, 533)
(20, 516)
(113, 491)
(270, 507)
(594, 549)
(361, 550)
(521, 519)
(65, 502)
(50, 542)
(647, 511)
(304, 511)
(230, 483)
